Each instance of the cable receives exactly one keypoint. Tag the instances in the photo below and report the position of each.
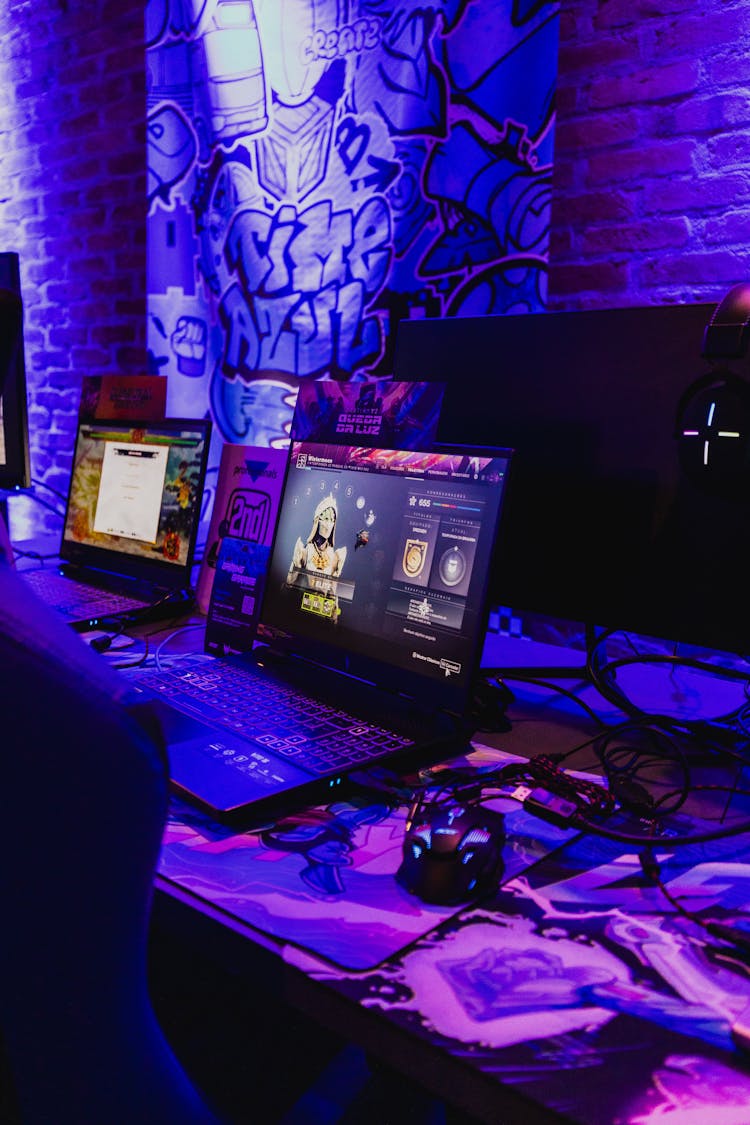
(504, 674)
(665, 841)
(574, 818)
(45, 504)
(135, 663)
(118, 622)
(714, 788)
(630, 752)
(570, 802)
(559, 799)
(603, 676)
(171, 636)
(43, 484)
(717, 671)
(624, 766)
(735, 936)
(35, 555)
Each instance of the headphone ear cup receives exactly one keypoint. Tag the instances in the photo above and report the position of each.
(713, 434)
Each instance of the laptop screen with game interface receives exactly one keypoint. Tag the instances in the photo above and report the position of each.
(385, 555)
(135, 496)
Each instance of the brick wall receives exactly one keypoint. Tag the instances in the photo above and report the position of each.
(72, 201)
(651, 195)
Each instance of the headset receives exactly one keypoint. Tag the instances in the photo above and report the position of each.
(712, 426)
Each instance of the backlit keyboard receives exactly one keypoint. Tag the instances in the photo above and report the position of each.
(318, 736)
(78, 599)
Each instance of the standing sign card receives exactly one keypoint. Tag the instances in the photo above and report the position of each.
(381, 412)
(236, 596)
(245, 506)
(138, 398)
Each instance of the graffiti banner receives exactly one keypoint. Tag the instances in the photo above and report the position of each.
(319, 170)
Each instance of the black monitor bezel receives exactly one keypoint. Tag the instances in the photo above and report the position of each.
(15, 472)
(161, 573)
(454, 699)
(507, 377)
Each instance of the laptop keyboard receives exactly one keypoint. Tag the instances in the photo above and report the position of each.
(317, 736)
(78, 599)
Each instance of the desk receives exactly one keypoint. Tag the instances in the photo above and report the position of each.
(574, 994)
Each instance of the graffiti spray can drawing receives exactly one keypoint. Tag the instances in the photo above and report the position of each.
(293, 33)
(228, 68)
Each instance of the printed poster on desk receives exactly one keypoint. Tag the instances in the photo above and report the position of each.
(380, 412)
(245, 507)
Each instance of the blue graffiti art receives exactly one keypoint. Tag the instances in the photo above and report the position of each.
(321, 169)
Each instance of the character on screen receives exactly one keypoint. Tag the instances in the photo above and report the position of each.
(319, 553)
(181, 485)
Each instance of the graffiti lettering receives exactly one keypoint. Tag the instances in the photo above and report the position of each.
(303, 254)
(351, 140)
(245, 248)
(248, 520)
(319, 248)
(283, 231)
(304, 280)
(312, 323)
(381, 178)
(241, 352)
(362, 35)
(278, 348)
(370, 257)
(302, 335)
(418, 135)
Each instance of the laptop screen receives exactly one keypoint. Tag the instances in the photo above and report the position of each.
(135, 497)
(385, 555)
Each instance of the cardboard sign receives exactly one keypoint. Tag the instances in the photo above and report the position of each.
(140, 398)
(245, 506)
(391, 415)
(236, 596)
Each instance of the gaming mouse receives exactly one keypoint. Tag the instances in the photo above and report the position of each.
(452, 854)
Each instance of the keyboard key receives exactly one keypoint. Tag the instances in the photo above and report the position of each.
(247, 702)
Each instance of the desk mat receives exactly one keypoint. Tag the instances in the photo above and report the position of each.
(327, 885)
(580, 988)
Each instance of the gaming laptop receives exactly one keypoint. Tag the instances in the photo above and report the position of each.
(371, 631)
(131, 521)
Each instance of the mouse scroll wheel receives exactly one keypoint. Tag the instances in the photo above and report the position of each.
(443, 840)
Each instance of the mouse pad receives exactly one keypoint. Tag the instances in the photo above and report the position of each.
(326, 885)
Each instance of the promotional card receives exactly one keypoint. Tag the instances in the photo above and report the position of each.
(380, 412)
(137, 398)
(245, 506)
(236, 596)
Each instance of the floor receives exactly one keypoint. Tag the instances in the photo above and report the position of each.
(261, 1062)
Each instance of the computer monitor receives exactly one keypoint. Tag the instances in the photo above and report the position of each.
(602, 524)
(15, 471)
